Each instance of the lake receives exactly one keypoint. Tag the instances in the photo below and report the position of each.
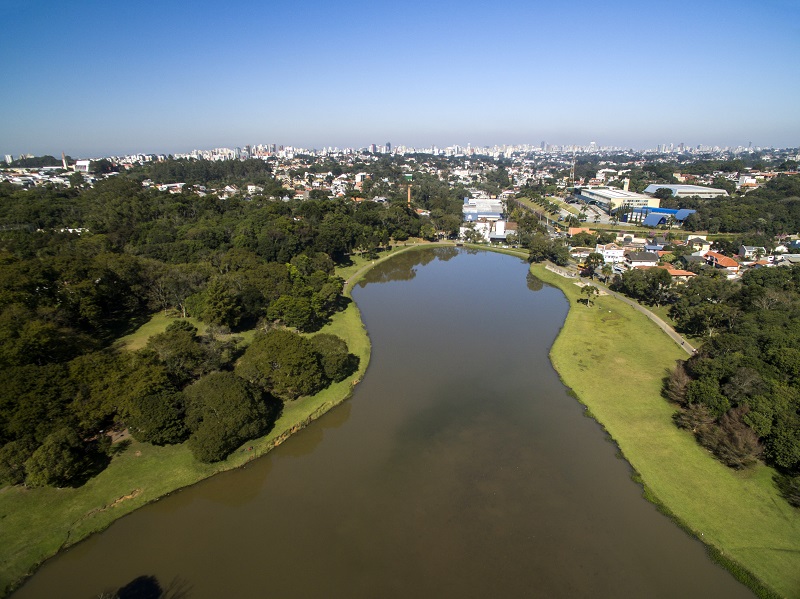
(461, 467)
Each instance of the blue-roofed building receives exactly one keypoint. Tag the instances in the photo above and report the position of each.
(641, 214)
(654, 219)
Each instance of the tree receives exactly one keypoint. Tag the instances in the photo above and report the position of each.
(293, 311)
(336, 361)
(224, 411)
(283, 363)
(663, 193)
(594, 260)
(59, 461)
(75, 180)
(181, 353)
(589, 291)
(158, 418)
(221, 304)
(13, 456)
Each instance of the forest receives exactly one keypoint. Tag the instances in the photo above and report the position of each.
(772, 209)
(232, 265)
(739, 393)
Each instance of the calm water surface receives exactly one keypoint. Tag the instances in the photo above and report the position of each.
(460, 468)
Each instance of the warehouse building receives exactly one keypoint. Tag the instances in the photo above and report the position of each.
(612, 199)
(688, 191)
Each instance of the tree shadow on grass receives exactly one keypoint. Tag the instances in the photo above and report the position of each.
(119, 448)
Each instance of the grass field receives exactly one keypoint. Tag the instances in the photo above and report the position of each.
(157, 324)
(614, 358)
(36, 523)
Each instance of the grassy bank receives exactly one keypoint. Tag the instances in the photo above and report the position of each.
(614, 358)
(37, 523)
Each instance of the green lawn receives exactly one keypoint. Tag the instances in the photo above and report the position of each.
(36, 523)
(157, 324)
(614, 358)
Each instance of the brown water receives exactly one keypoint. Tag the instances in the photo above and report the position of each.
(460, 468)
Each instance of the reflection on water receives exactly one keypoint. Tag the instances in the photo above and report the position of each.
(300, 445)
(534, 284)
(460, 468)
(402, 267)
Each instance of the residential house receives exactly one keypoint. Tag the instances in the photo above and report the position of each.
(611, 252)
(636, 259)
(718, 260)
(678, 275)
(689, 260)
(752, 252)
(580, 253)
(789, 260)
(699, 243)
(572, 231)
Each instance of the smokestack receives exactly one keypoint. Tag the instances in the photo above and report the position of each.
(64, 161)
(409, 195)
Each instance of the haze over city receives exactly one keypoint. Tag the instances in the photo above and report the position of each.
(103, 79)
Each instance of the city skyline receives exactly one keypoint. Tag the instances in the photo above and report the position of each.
(100, 80)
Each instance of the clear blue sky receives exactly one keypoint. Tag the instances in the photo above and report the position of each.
(94, 78)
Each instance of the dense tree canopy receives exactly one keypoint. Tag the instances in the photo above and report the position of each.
(66, 297)
(283, 363)
(740, 393)
(223, 411)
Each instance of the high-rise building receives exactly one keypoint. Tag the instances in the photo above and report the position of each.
(373, 148)
(388, 147)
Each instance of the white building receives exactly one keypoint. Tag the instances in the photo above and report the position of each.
(687, 191)
(611, 199)
(475, 209)
(490, 230)
(611, 252)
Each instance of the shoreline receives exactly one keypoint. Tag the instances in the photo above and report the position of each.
(677, 476)
(89, 517)
(80, 516)
(297, 417)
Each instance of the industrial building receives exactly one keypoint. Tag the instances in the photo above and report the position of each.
(654, 217)
(688, 191)
(610, 199)
(482, 208)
